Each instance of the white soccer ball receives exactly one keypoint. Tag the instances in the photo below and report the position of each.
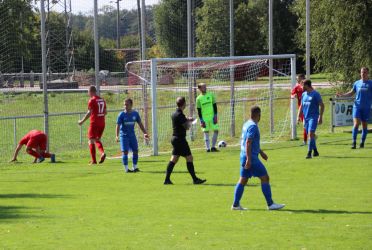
(222, 144)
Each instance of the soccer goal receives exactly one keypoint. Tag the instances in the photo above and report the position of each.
(237, 82)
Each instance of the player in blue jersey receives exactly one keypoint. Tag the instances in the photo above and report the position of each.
(310, 103)
(250, 163)
(126, 121)
(362, 105)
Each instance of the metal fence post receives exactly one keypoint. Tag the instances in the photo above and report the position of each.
(15, 132)
(154, 107)
(81, 132)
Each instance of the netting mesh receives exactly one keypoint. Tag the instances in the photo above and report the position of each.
(237, 85)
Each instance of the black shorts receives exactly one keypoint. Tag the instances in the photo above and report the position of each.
(180, 146)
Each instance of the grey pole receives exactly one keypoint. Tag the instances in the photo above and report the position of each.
(154, 107)
(271, 89)
(118, 24)
(293, 103)
(143, 30)
(96, 47)
(189, 69)
(142, 26)
(44, 69)
(232, 71)
(308, 39)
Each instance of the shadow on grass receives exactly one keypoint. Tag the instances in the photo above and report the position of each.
(33, 196)
(163, 172)
(323, 211)
(346, 157)
(229, 184)
(14, 212)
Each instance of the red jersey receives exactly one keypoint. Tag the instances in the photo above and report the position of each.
(298, 90)
(97, 107)
(32, 134)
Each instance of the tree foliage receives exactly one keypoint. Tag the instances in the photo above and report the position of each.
(341, 35)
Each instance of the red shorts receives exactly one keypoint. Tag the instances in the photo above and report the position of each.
(95, 131)
(36, 141)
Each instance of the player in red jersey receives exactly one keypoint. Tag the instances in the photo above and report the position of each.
(96, 112)
(36, 144)
(297, 91)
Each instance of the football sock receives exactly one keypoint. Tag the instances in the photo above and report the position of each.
(169, 170)
(46, 155)
(135, 160)
(239, 189)
(190, 168)
(266, 190)
(214, 139)
(33, 153)
(355, 134)
(313, 143)
(364, 134)
(92, 149)
(310, 145)
(206, 139)
(305, 135)
(125, 159)
(100, 147)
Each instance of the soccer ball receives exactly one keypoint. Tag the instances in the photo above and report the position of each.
(222, 144)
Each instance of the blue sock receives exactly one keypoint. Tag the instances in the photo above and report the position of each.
(364, 134)
(266, 190)
(135, 159)
(313, 143)
(310, 145)
(125, 160)
(355, 134)
(239, 189)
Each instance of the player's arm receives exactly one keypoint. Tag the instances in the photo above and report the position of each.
(16, 151)
(293, 93)
(299, 113)
(263, 155)
(140, 124)
(321, 104)
(248, 153)
(117, 132)
(347, 94)
(87, 115)
(214, 109)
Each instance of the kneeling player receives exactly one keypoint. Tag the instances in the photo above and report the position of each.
(35, 142)
(250, 163)
(128, 140)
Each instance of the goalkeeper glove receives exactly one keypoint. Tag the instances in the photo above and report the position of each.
(215, 119)
(202, 123)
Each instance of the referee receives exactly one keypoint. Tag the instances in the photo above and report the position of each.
(180, 146)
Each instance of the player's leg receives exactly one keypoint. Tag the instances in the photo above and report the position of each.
(206, 140)
(173, 161)
(92, 150)
(356, 121)
(42, 149)
(365, 117)
(100, 145)
(215, 128)
(260, 171)
(239, 189)
(307, 129)
(134, 147)
(33, 144)
(191, 169)
(124, 146)
(305, 132)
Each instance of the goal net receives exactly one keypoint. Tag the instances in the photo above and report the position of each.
(237, 83)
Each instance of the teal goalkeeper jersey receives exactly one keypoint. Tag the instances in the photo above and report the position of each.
(205, 103)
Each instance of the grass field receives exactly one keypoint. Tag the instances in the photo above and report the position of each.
(69, 205)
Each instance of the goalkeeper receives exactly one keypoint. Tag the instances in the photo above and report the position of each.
(207, 111)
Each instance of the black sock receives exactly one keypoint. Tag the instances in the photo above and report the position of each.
(190, 168)
(169, 170)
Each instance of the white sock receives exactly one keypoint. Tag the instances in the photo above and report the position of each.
(214, 139)
(126, 168)
(134, 167)
(206, 139)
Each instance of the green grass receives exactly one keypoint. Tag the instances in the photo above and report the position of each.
(70, 205)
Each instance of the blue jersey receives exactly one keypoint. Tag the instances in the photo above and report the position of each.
(250, 131)
(363, 94)
(310, 104)
(127, 122)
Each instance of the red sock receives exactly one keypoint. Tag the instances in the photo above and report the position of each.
(305, 136)
(33, 153)
(100, 147)
(45, 155)
(92, 149)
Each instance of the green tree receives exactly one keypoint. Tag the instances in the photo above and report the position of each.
(341, 36)
(171, 27)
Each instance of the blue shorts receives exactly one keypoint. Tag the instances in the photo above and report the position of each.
(361, 113)
(128, 143)
(257, 170)
(310, 125)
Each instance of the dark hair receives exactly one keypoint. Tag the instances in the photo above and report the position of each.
(201, 84)
(255, 110)
(301, 75)
(365, 69)
(180, 101)
(307, 82)
(129, 100)
(93, 89)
